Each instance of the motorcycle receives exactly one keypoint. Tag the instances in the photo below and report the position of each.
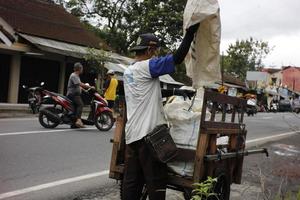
(62, 111)
(251, 108)
(34, 97)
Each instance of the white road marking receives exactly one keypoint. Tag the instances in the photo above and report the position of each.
(52, 184)
(267, 118)
(270, 138)
(46, 131)
(18, 119)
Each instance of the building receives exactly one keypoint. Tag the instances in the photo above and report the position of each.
(291, 78)
(39, 41)
(274, 76)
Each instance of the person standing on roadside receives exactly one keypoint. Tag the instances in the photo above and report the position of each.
(110, 88)
(143, 96)
(74, 92)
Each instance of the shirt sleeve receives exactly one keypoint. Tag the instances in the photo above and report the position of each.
(161, 66)
(76, 80)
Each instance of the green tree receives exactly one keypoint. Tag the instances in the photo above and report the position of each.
(119, 22)
(245, 55)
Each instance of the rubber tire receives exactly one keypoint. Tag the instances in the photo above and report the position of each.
(223, 184)
(187, 194)
(143, 196)
(109, 114)
(33, 108)
(41, 116)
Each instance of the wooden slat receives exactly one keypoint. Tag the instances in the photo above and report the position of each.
(180, 181)
(233, 114)
(224, 99)
(212, 149)
(221, 125)
(185, 155)
(223, 128)
(213, 111)
(199, 158)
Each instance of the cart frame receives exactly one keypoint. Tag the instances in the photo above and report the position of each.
(207, 159)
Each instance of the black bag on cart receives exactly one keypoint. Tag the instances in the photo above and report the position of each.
(161, 144)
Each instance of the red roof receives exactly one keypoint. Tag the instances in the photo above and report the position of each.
(270, 70)
(233, 80)
(47, 20)
(287, 67)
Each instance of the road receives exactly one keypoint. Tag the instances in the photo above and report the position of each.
(38, 164)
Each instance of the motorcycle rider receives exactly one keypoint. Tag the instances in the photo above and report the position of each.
(74, 92)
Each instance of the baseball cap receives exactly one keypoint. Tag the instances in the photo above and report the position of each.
(144, 41)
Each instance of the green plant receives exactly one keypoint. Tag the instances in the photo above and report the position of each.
(204, 189)
(96, 59)
(298, 195)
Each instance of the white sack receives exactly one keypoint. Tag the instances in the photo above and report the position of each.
(184, 128)
(203, 59)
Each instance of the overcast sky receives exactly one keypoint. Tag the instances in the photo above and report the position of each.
(275, 21)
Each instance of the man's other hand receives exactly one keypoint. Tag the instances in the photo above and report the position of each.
(185, 93)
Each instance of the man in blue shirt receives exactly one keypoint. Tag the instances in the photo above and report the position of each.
(143, 96)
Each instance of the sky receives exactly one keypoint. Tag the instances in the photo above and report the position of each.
(274, 21)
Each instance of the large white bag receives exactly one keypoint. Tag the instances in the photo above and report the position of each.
(184, 128)
(203, 59)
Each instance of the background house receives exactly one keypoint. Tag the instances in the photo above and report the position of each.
(291, 78)
(39, 41)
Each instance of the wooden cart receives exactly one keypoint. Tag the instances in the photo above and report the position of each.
(208, 158)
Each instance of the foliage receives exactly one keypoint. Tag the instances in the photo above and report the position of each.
(204, 189)
(121, 21)
(96, 59)
(245, 55)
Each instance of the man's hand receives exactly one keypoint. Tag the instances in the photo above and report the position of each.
(193, 29)
(185, 93)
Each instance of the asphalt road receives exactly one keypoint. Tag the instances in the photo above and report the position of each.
(38, 164)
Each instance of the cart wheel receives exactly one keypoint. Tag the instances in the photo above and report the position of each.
(121, 189)
(144, 192)
(222, 186)
(187, 194)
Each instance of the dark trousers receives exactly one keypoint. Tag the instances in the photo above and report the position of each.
(142, 168)
(77, 101)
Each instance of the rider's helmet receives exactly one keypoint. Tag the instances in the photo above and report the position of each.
(110, 72)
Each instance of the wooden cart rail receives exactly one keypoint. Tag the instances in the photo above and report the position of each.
(210, 130)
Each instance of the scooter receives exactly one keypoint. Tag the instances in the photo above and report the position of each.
(62, 111)
(34, 97)
(251, 108)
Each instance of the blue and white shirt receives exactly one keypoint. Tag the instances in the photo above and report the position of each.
(143, 96)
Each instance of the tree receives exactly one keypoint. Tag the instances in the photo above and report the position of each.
(245, 55)
(119, 22)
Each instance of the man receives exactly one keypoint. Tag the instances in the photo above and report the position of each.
(110, 88)
(74, 92)
(145, 111)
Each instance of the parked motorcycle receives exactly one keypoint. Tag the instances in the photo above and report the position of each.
(62, 111)
(251, 108)
(34, 97)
